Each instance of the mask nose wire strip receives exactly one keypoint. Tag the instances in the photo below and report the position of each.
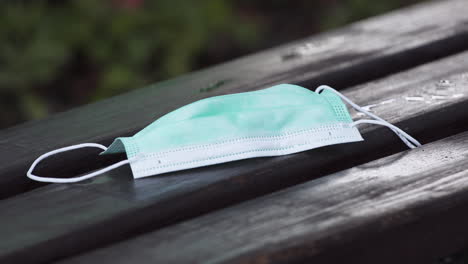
(74, 179)
(406, 138)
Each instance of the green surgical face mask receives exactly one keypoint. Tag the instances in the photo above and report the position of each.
(280, 120)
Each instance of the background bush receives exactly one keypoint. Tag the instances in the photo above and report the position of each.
(58, 54)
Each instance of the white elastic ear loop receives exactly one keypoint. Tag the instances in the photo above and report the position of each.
(403, 135)
(74, 179)
(384, 123)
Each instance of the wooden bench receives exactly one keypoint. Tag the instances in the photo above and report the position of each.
(366, 202)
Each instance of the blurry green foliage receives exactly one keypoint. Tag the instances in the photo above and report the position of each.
(117, 46)
(59, 54)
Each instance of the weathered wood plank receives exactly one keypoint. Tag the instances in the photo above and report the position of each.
(359, 52)
(76, 217)
(405, 208)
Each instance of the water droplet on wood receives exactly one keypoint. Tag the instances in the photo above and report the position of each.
(300, 51)
(438, 97)
(443, 84)
(389, 101)
(414, 98)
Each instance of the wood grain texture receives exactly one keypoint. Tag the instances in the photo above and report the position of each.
(68, 219)
(405, 208)
(352, 55)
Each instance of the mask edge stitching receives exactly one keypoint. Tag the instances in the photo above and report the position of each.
(332, 139)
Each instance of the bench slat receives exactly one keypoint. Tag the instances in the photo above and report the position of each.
(406, 208)
(59, 220)
(357, 53)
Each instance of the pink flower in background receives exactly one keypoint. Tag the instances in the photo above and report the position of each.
(129, 4)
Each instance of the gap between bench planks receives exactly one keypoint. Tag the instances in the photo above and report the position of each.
(406, 208)
(60, 220)
(360, 52)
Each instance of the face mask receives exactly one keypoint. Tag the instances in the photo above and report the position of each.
(280, 120)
